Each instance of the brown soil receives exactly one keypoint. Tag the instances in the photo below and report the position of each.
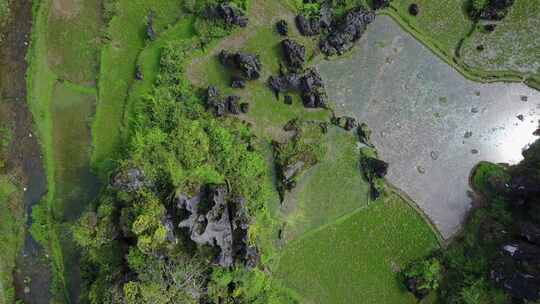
(24, 156)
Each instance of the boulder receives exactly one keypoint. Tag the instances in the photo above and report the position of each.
(249, 65)
(150, 32)
(521, 251)
(281, 84)
(214, 101)
(349, 30)
(374, 167)
(233, 104)
(313, 90)
(238, 83)
(364, 134)
(282, 27)
(138, 73)
(350, 123)
(308, 26)
(288, 100)
(414, 9)
(295, 54)
(244, 107)
(228, 14)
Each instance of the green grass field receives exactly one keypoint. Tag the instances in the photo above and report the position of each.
(331, 189)
(148, 62)
(442, 24)
(126, 39)
(73, 37)
(513, 46)
(355, 259)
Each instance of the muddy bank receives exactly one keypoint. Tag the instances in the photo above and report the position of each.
(24, 152)
(431, 124)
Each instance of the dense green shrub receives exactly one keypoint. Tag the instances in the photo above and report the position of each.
(180, 147)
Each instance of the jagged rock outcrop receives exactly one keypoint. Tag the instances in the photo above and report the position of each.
(346, 122)
(249, 65)
(221, 106)
(130, 180)
(308, 26)
(216, 220)
(295, 54)
(150, 32)
(364, 134)
(282, 28)
(350, 29)
(313, 90)
(228, 14)
(310, 86)
(494, 10)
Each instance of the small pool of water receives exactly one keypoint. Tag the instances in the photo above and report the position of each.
(430, 123)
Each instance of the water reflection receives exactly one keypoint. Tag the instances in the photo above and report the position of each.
(430, 123)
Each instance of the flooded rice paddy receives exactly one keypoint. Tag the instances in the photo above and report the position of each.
(430, 123)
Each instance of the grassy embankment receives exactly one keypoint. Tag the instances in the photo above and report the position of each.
(11, 233)
(63, 90)
(444, 28)
(61, 94)
(337, 238)
(126, 38)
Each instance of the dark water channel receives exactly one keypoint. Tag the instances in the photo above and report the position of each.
(32, 275)
(430, 123)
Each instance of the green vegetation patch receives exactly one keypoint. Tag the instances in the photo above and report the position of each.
(72, 109)
(513, 46)
(126, 35)
(488, 175)
(331, 189)
(441, 25)
(11, 234)
(73, 35)
(357, 256)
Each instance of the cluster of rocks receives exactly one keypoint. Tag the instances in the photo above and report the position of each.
(282, 28)
(228, 14)
(212, 218)
(346, 122)
(223, 105)
(494, 10)
(248, 65)
(150, 32)
(309, 84)
(342, 37)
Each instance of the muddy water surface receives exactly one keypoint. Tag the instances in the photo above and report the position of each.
(25, 153)
(429, 122)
